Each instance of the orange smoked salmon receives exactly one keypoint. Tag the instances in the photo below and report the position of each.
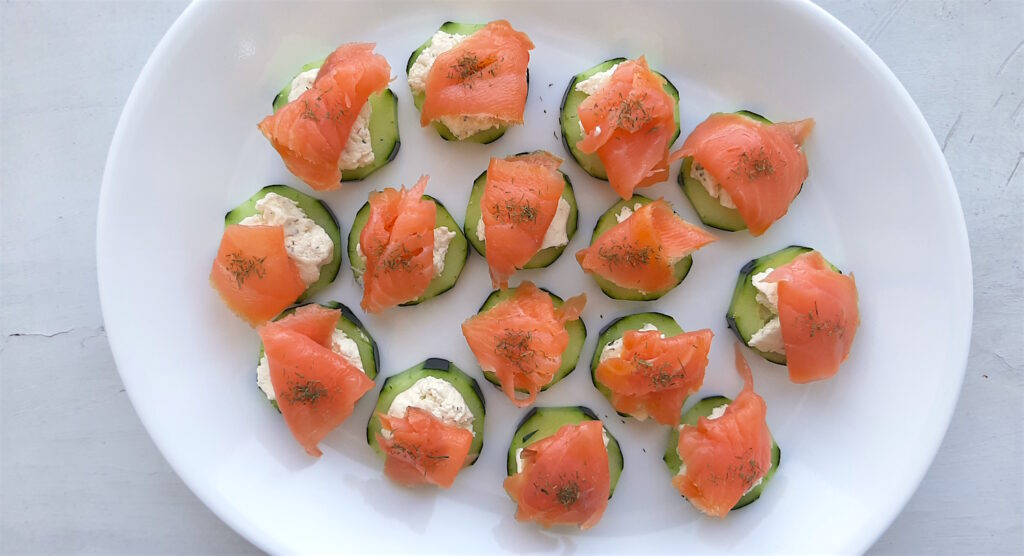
(310, 132)
(316, 389)
(761, 166)
(422, 449)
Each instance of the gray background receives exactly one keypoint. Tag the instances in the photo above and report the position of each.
(78, 472)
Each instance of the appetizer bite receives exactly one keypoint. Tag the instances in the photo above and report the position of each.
(526, 339)
(405, 248)
(563, 466)
(722, 454)
(470, 80)
(349, 339)
(793, 308)
(647, 366)
(641, 249)
(428, 424)
(315, 386)
(521, 214)
(325, 129)
(278, 247)
(742, 171)
(619, 119)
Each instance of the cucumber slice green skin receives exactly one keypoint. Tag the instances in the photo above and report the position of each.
(317, 211)
(454, 260)
(703, 408)
(483, 137)
(570, 357)
(349, 323)
(617, 329)
(569, 119)
(384, 137)
(542, 422)
(440, 369)
(608, 221)
(746, 316)
(543, 257)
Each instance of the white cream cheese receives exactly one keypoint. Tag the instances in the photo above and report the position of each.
(437, 397)
(442, 240)
(557, 233)
(306, 242)
(711, 185)
(470, 124)
(626, 212)
(769, 338)
(596, 82)
(358, 150)
(614, 347)
(717, 412)
(340, 344)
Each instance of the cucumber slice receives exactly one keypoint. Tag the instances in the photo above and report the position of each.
(703, 408)
(618, 328)
(317, 211)
(350, 324)
(454, 260)
(607, 221)
(570, 357)
(709, 209)
(542, 422)
(483, 137)
(544, 257)
(746, 316)
(384, 137)
(570, 119)
(440, 369)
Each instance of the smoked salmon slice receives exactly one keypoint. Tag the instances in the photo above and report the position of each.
(565, 478)
(522, 338)
(630, 124)
(398, 243)
(421, 449)
(654, 375)
(818, 315)
(640, 252)
(316, 389)
(519, 202)
(484, 75)
(724, 457)
(310, 132)
(761, 166)
(254, 274)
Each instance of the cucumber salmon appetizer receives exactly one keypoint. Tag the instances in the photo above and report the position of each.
(619, 119)
(337, 119)
(563, 466)
(647, 366)
(314, 385)
(641, 249)
(405, 248)
(722, 455)
(428, 424)
(526, 339)
(526, 207)
(374, 140)
(470, 81)
(279, 247)
(794, 308)
(349, 339)
(740, 170)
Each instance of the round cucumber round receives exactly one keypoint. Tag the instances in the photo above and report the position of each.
(542, 422)
(454, 260)
(570, 357)
(544, 257)
(441, 369)
(349, 323)
(570, 119)
(317, 211)
(704, 408)
(384, 137)
(617, 328)
(607, 221)
(746, 316)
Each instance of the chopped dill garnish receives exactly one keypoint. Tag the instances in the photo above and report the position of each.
(629, 256)
(515, 346)
(514, 212)
(469, 67)
(241, 267)
(306, 392)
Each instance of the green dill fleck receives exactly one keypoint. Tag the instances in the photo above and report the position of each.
(306, 392)
(241, 267)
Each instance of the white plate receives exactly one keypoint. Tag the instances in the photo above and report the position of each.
(880, 202)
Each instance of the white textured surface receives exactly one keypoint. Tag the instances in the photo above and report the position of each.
(79, 474)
